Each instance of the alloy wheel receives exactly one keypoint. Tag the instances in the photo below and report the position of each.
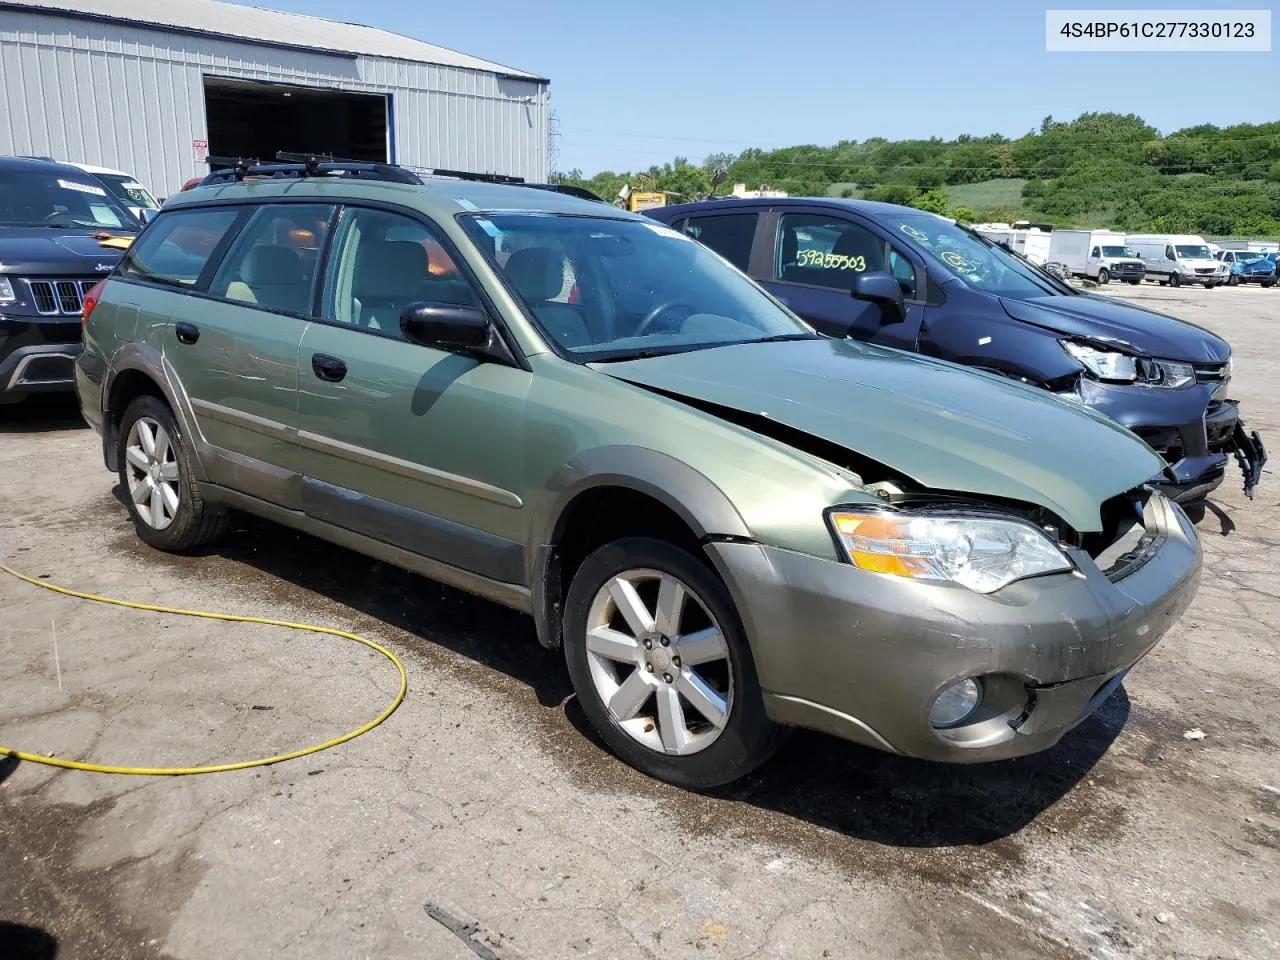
(153, 473)
(659, 662)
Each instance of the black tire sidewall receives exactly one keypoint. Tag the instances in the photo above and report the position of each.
(1104, 277)
(748, 738)
(183, 531)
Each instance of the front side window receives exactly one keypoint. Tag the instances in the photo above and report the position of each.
(826, 251)
(729, 235)
(1096, 252)
(904, 272)
(274, 260)
(31, 198)
(608, 289)
(382, 263)
(175, 249)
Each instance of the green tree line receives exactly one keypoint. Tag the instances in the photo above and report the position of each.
(1101, 169)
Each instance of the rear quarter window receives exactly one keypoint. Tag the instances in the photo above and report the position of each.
(177, 247)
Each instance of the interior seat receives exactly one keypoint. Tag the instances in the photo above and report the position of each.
(537, 273)
(272, 276)
(389, 275)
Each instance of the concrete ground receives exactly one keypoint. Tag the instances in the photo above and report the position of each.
(482, 819)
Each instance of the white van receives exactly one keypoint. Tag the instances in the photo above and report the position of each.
(1100, 255)
(1178, 258)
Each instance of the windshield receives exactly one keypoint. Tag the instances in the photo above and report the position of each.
(127, 190)
(1193, 252)
(977, 261)
(605, 289)
(1117, 252)
(36, 198)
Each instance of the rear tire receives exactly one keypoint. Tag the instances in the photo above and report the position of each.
(160, 488)
(675, 695)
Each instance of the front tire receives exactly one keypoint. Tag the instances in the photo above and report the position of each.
(1234, 281)
(1136, 283)
(1175, 280)
(160, 489)
(1103, 277)
(661, 665)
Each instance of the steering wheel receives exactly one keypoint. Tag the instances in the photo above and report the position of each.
(58, 216)
(652, 316)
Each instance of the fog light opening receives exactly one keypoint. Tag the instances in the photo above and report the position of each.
(956, 704)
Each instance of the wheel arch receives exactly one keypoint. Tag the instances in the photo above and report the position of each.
(656, 493)
(138, 369)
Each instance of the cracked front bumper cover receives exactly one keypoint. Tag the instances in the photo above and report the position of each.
(1250, 454)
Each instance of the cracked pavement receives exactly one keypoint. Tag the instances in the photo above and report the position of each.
(486, 799)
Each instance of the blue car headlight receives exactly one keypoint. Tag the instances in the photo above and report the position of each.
(1112, 366)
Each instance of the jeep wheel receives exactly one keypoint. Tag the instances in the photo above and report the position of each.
(661, 665)
(1103, 277)
(155, 471)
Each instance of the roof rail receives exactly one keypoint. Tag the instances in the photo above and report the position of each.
(568, 189)
(478, 177)
(301, 165)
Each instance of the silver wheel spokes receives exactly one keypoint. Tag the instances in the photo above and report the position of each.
(153, 473)
(659, 662)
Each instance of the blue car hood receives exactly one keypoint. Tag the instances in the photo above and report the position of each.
(1108, 322)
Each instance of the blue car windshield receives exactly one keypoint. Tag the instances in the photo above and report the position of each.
(978, 262)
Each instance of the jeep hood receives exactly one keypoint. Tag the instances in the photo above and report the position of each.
(1108, 322)
(944, 426)
(40, 250)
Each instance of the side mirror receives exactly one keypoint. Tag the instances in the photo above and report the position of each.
(449, 326)
(148, 214)
(881, 288)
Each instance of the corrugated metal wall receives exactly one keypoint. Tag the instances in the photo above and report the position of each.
(133, 99)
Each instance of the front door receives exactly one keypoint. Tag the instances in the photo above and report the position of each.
(816, 258)
(413, 446)
(235, 349)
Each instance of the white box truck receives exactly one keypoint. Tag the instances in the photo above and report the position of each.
(1100, 255)
(1178, 258)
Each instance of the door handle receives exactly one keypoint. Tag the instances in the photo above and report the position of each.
(187, 332)
(328, 368)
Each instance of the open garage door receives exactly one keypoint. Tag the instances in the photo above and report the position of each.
(250, 119)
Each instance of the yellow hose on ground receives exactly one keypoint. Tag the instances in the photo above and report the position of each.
(233, 618)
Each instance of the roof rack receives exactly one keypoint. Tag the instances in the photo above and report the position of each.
(301, 165)
(477, 177)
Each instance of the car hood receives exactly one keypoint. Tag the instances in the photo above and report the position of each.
(944, 426)
(39, 244)
(1108, 322)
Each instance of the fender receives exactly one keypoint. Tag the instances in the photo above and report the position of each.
(689, 494)
(141, 357)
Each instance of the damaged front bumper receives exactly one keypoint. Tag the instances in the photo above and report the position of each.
(863, 655)
(1195, 429)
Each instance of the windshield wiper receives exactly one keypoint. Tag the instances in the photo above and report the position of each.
(782, 338)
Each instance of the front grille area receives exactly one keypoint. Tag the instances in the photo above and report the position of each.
(1211, 372)
(53, 298)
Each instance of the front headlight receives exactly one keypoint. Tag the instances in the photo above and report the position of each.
(6, 291)
(1116, 367)
(978, 552)
(1103, 364)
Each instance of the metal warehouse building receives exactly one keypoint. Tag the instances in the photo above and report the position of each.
(153, 86)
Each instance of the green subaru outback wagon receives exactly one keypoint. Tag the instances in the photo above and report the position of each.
(731, 525)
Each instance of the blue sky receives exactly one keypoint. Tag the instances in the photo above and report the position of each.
(637, 84)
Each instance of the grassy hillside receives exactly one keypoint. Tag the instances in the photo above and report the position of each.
(992, 195)
(1101, 169)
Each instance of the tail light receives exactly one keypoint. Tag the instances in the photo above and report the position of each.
(91, 299)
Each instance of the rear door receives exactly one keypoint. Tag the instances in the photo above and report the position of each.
(814, 256)
(234, 345)
(413, 446)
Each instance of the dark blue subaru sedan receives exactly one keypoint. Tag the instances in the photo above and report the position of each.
(909, 279)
